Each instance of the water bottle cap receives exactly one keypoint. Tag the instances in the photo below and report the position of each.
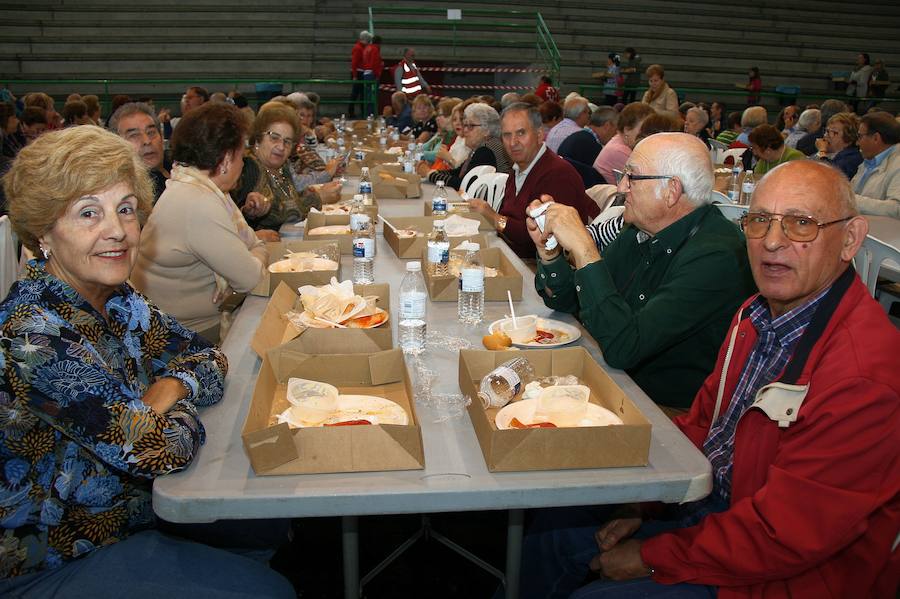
(413, 266)
(440, 183)
(750, 171)
(365, 169)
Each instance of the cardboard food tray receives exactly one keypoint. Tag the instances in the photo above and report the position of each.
(278, 449)
(400, 185)
(277, 250)
(274, 330)
(446, 289)
(556, 448)
(411, 248)
(317, 219)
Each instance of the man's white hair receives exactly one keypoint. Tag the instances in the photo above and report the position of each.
(684, 157)
(297, 99)
(701, 114)
(808, 119)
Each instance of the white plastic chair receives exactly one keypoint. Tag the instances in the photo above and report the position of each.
(718, 145)
(718, 197)
(871, 257)
(733, 212)
(494, 185)
(8, 265)
(474, 173)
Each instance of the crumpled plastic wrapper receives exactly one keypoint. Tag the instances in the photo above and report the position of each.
(533, 389)
(445, 405)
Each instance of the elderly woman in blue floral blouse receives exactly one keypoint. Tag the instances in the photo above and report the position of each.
(99, 390)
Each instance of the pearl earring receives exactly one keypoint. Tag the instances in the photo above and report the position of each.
(224, 170)
(46, 252)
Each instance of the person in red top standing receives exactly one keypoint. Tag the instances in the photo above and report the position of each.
(754, 87)
(546, 91)
(356, 70)
(536, 171)
(372, 67)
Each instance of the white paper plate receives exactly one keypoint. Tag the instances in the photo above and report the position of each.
(376, 410)
(569, 333)
(524, 411)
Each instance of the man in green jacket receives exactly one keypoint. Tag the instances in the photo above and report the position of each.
(660, 297)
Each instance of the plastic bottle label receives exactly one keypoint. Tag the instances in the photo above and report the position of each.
(408, 167)
(365, 187)
(472, 280)
(439, 252)
(512, 379)
(748, 188)
(733, 195)
(439, 205)
(364, 247)
(412, 306)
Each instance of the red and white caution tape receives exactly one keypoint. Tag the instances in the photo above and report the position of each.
(482, 70)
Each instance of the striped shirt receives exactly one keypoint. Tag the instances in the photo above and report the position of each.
(774, 347)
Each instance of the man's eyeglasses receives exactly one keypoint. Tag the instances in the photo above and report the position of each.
(796, 228)
(626, 173)
(470, 125)
(277, 138)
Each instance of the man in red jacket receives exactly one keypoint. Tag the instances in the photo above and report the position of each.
(536, 171)
(356, 71)
(800, 420)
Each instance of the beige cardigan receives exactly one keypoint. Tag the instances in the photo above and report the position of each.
(188, 239)
(666, 101)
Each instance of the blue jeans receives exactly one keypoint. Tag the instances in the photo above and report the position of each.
(559, 546)
(153, 565)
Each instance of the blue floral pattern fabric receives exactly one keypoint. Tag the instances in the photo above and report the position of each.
(78, 447)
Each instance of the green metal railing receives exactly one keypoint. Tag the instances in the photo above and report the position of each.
(109, 86)
(484, 19)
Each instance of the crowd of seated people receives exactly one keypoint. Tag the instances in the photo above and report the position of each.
(656, 280)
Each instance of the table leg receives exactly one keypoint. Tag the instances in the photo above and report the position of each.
(514, 552)
(350, 545)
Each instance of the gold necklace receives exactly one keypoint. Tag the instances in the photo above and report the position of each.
(279, 181)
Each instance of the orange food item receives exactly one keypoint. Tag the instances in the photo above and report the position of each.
(496, 340)
(367, 322)
(349, 423)
(516, 423)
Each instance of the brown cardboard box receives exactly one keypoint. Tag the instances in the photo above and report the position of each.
(277, 250)
(278, 449)
(560, 448)
(274, 330)
(400, 185)
(446, 289)
(412, 247)
(317, 219)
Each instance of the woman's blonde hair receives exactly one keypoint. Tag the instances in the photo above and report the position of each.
(61, 166)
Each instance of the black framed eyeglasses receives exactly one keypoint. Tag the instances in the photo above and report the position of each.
(471, 125)
(626, 172)
(795, 227)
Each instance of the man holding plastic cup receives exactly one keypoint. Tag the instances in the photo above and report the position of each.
(659, 298)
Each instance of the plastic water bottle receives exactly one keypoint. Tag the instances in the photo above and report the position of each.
(365, 186)
(734, 184)
(470, 302)
(363, 249)
(409, 165)
(438, 251)
(418, 153)
(439, 200)
(370, 122)
(501, 385)
(342, 124)
(413, 305)
(382, 141)
(747, 188)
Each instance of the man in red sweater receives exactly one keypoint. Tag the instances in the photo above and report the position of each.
(800, 420)
(536, 171)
